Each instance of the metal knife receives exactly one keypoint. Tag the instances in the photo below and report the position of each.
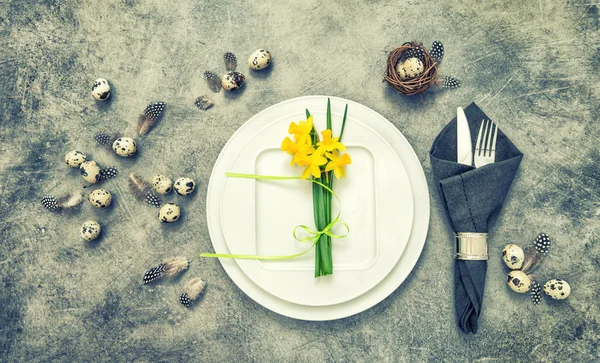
(464, 148)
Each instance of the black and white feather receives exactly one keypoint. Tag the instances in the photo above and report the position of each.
(437, 51)
(151, 115)
(417, 52)
(213, 81)
(204, 102)
(192, 290)
(542, 243)
(450, 82)
(154, 273)
(535, 292)
(68, 201)
(168, 268)
(108, 173)
(102, 138)
(49, 202)
(230, 61)
(153, 200)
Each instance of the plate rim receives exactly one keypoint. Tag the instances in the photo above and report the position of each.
(400, 272)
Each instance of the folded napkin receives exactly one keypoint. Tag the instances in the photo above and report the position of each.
(472, 199)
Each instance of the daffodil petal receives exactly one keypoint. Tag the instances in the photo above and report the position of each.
(337, 173)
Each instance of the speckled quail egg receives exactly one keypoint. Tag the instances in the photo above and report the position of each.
(162, 184)
(90, 230)
(413, 67)
(557, 289)
(401, 71)
(184, 186)
(232, 81)
(519, 281)
(74, 158)
(100, 198)
(90, 171)
(101, 89)
(169, 212)
(124, 146)
(259, 59)
(513, 256)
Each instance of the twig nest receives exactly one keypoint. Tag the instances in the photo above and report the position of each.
(259, 59)
(557, 289)
(513, 256)
(125, 147)
(75, 158)
(162, 184)
(233, 81)
(90, 171)
(421, 75)
(101, 89)
(184, 186)
(90, 230)
(518, 281)
(169, 212)
(100, 198)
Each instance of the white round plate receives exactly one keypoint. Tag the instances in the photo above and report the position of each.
(379, 292)
(258, 217)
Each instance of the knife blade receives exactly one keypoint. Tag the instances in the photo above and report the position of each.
(464, 148)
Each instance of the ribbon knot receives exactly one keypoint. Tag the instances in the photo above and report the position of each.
(315, 235)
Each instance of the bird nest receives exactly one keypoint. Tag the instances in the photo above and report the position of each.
(414, 85)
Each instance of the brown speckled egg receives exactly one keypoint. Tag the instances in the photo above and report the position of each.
(100, 198)
(513, 256)
(75, 158)
(101, 89)
(124, 146)
(401, 71)
(518, 281)
(413, 67)
(162, 184)
(233, 81)
(90, 230)
(557, 289)
(169, 212)
(90, 171)
(259, 59)
(184, 186)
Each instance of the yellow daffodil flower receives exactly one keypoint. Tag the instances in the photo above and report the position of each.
(312, 163)
(329, 144)
(292, 147)
(337, 163)
(301, 128)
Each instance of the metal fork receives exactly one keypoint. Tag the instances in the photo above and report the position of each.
(485, 147)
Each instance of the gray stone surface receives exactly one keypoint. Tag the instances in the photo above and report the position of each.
(531, 65)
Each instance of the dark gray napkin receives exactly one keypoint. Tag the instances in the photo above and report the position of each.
(472, 199)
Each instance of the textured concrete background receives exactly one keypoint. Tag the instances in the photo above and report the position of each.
(531, 65)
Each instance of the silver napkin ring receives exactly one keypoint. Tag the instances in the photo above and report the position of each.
(471, 246)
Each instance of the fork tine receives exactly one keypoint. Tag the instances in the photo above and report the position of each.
(489, 126)
(495, 138)
(478, 143)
